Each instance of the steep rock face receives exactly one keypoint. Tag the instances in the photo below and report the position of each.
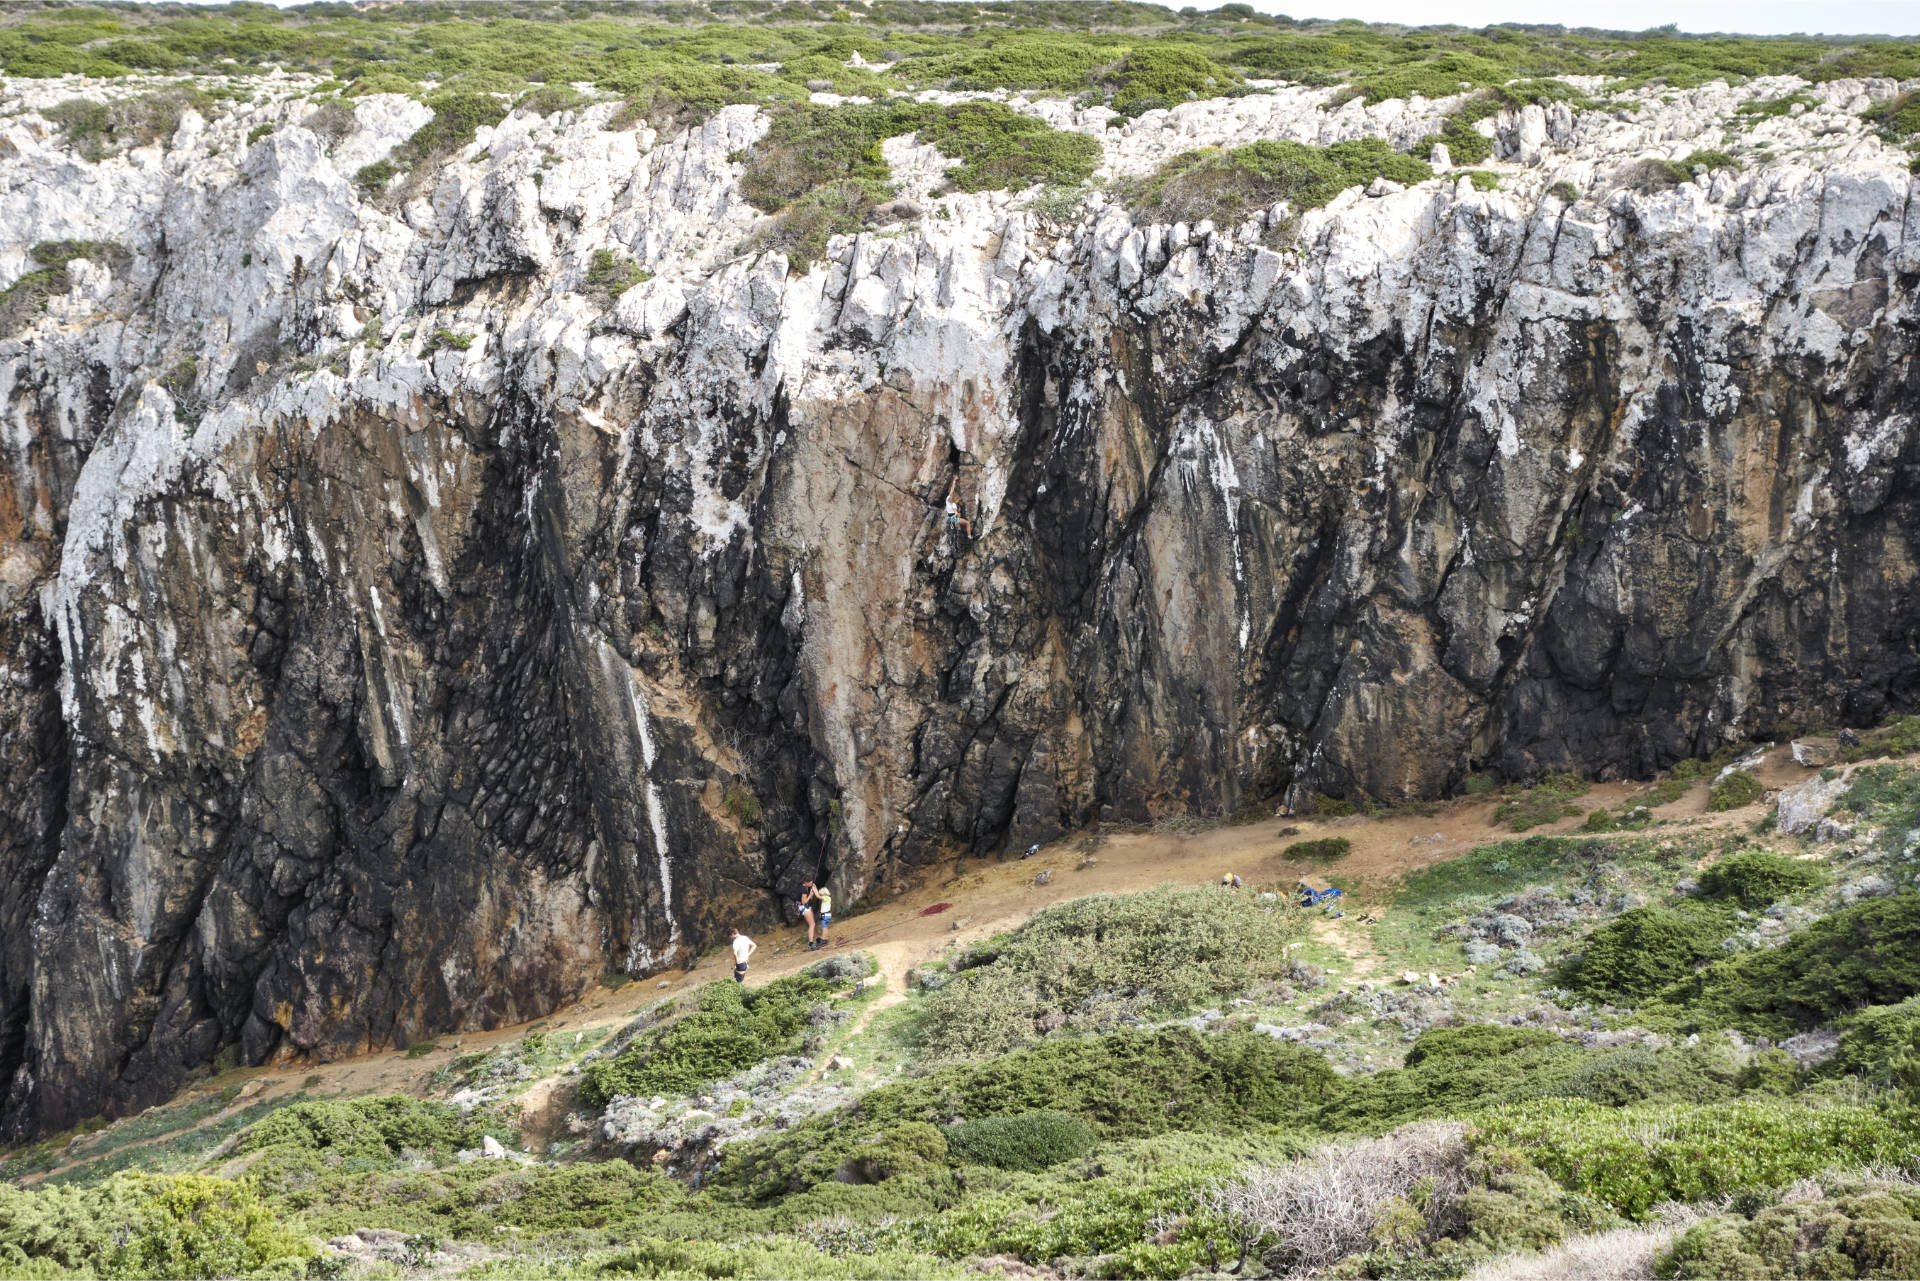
(397, 636)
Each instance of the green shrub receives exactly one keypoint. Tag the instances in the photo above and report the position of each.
(1320, 805)
(26, 297)
(1481, 179)
(1127, 1084)
(547, 100)
(1023, 1141)
(754, 1257)
(258, 132)
(1465, 144)
(732, 1027)
(1711, 160)
(1564, 192)
(1166, 74)
(1642, 951)
(1777, 106)
(1881, 1045)
(611, 274)
(457, 117)
(1865, 954)
(447, 339)
(1898, 118)
(376, 176)
(1756, 878)
(1871, 1232)
(1228, 185)
(381, 1128)
(910, 1150)
(1476, 1042)
(97, 130)
(50, 1231)
(1655, 175)
(420, 1049)
(999, 148)
(1598, 821)
(191, 1226)
(1735, 791)
(1547, 801)
(1325, 849)
(160, 1226)
(1481, 784)
(1097, 962)
(1634, 1158)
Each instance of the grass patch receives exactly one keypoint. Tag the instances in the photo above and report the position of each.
(611, 274)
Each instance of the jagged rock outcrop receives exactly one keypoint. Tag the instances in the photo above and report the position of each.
(397, 635)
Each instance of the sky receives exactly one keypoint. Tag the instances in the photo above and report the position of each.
(1749, 17)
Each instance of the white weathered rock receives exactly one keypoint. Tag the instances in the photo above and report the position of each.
(1800, 807)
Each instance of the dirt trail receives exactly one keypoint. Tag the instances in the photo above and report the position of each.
(985, 897)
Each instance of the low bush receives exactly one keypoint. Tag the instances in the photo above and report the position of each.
(1881, 1045)
(1634, 1158)
(1781, 106)
(1323, 849)
(1898, 118)
(1859, 1228)
(1481, 179)
(457, 117)
(757, 1257)
(1655, 175)
(375, 177)
(731, 1027)
(1348, 1198)
(1756, 878)
(1865, 954)
(1165, 74)
(1465, 144)
(611, 274)
(169, 1227)
(1095, 963)
(1547, 801)
(1642, 951)
(100, 129)
(1737, 790)
(1125, 1085)
(1710, 160)
(27, 296)
(1022, 1141)
(380, 1127)
(1226, 186)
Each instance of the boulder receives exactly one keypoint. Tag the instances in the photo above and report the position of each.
(1799, 807)
(1815, 753)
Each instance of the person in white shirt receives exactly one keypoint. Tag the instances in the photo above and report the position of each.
(743, 947)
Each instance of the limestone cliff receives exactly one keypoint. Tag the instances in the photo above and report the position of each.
(397, 633)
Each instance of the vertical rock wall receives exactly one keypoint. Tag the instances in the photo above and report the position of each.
(397, 636)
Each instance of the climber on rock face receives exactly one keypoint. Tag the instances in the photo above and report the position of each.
(953, 511)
